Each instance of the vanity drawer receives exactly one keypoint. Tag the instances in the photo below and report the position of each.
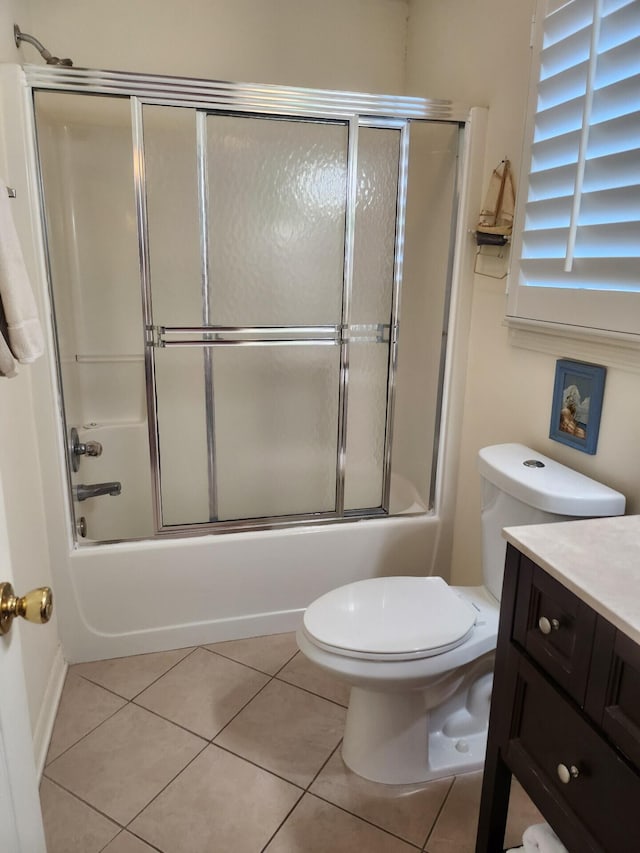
(555, 628)
(601, 794)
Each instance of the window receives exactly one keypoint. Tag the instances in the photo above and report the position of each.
(577, 248)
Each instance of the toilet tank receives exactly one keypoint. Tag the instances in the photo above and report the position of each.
(521, 486)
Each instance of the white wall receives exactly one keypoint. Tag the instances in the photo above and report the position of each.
(356, 45)
(20, 443)
(479, 53)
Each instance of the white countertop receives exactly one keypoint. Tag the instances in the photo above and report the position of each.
(598, 559)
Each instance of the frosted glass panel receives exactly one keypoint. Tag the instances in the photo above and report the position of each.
(276, 220)
(85, 150)
(431, 196)
(172, 215)
(368, 367)
(276, 416)
(183, 435)
(375, 232)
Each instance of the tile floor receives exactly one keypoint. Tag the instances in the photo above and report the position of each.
(232, 748)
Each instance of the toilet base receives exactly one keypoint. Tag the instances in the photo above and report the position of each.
(392, 737)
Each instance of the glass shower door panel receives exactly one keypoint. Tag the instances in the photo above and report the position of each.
(276, 420)
(366, 425)
(372, 300)
(181, 417)
(375, 224)
(429, 234)
(173, 219)
(85, 150)
(276, 210)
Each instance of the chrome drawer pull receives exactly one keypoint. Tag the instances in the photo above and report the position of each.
(548, 625)
(566, 774)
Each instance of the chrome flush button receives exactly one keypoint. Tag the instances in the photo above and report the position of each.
(533, 463)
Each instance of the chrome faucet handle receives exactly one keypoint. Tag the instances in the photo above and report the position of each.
(78, 449)
(90, 448)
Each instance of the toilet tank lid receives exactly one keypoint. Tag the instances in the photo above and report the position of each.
(551, 487)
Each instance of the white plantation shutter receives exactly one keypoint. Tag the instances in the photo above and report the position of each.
(577, 246)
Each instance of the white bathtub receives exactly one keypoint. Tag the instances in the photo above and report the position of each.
(144, 596)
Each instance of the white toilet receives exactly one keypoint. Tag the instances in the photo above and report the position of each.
(418, 653)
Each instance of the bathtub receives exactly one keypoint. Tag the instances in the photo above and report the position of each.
(151, 595)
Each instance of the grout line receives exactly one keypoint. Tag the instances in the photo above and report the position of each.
(364, 820)
(437, 817)
(122, 831)
(240, 710)
(299, 800)
(177, 663)
(324, 763)
(297, 652)
(82, 737)
(171, 722)
(248, 665)
(86, 803)
(283, 821)
(259, 766)
(164, 787)
(312, 692)
(130, 698)
(343, 808)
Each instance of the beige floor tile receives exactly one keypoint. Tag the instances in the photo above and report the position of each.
(522, 813)
(286, 730)
(268, 654)
(83, 706)
(71, 826)
(125, 762)
(127, 843)
(303, 673)
(455, 829)
(128, 676)
(408, 811)
(318, 827)
(220, 802)
(216, 688)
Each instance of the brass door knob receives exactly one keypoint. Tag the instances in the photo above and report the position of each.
(35, 606)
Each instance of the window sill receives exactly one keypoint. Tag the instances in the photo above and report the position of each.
(614, 349)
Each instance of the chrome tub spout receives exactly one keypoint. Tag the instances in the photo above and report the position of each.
(81, 492)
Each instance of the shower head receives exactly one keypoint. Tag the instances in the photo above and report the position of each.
(42, 50)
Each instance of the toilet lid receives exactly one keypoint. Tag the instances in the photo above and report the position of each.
(396, 618)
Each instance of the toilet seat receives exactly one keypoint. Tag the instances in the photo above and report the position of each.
(391, 618)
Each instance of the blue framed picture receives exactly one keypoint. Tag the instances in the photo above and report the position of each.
(577, 404)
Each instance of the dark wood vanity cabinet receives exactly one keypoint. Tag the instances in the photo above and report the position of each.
(565, 717)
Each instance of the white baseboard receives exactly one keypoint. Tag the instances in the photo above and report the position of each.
(48, 710)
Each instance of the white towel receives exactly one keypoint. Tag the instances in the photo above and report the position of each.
(22, 338)
(540, 838)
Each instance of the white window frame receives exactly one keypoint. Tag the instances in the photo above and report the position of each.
(581, 313)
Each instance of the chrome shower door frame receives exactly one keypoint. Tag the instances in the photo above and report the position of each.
(354, 110)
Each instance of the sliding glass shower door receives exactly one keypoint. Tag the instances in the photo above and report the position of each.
(256, 381)
(270, 325)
